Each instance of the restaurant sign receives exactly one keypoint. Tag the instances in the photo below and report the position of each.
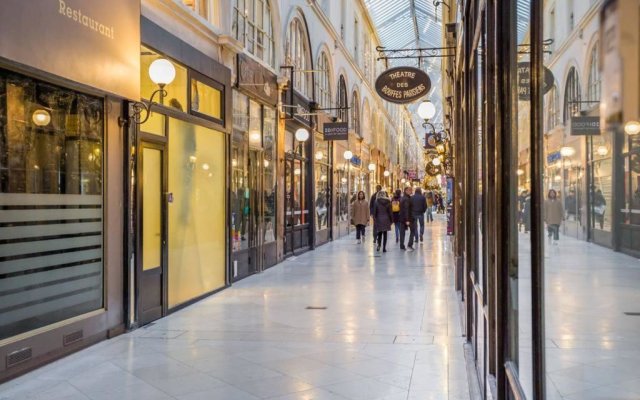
(585, 126)
(403, 85)
(524, 81)
(335, 131)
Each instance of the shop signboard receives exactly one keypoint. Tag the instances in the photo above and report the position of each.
(553, 157)
(524, 81)
(585, 126)
(255, 79)
(412, 175)
(95, 43)
(403, 85)
(335, 131)
(356, 161)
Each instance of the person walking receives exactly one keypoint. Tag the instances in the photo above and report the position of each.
(418, 208)
(599, 207)
(382, 219)
(553, 216)
(372, 202)
(429, 206)
(360, 215)
(395, 209)
(406, 219)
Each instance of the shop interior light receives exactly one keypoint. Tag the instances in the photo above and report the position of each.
(436, 161)
(426, 110)
(567, 151)
(266, 163)
(302, 135)
(234, 162)
(602, 151)
(372, 167)
(162, 72)
(632, 128)
(323, 178)
(41, 117)
(403, 180)
(319, 155)
(348, 155)
(519, 172)
(440, 148)
(254, 136)
(297, 171)
(557, 178)
(205, 166)
(343, 180)
(386, 173)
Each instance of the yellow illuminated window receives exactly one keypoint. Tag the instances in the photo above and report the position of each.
(206, 100)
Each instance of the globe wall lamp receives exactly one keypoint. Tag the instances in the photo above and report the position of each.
(348, 155)
(372, 167)
(319, 155)
(386, 173)
(302, 135)
(161, 72)
(567, 151)
(41, 117)
(632, 128)
(602, 151)
(436, 161)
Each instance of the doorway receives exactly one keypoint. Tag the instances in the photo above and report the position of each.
(152, 242)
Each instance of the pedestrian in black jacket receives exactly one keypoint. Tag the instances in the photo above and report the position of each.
(372, 202)
(419, 207)
(406, 219)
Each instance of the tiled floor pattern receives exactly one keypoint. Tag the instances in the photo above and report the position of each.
(391, 331)
(593, 347)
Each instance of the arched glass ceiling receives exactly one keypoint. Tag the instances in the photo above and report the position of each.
(410, 24)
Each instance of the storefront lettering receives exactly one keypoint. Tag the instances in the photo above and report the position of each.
(76, 15)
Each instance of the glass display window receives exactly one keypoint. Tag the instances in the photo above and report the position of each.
(51, 203)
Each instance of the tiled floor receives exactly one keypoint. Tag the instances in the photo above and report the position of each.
(391, 331)
(592, 346)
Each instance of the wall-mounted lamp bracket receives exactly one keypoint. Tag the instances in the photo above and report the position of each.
(140, 107)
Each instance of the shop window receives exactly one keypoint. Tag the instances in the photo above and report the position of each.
(322, 183)
(552, 112)
(270, 177)
(176, 96)
(252, 25)
(51, 177)
(206, 100)
(239, 173)
(197, 214)
(595, 83)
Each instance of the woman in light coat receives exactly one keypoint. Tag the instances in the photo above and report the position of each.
(360, 215)
(553, 215)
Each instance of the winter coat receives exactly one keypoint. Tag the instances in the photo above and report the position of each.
(372, 202)
(360, 212)
(418, 204)
(382, 215)
(406, 210)
(553, 212)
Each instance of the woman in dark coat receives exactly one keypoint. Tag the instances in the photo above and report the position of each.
(382, 217)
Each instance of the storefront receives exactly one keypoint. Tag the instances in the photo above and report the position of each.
(253, 169)
(341, 189)
(323, 204)
(179, 206)
(298, 174)
(61, 178)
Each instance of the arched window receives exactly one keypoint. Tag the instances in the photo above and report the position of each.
(355, 113)
(323, 81)
(299, 56)
(595, 84)
(552, 109)
(252, 26)
(343, 113)
(572, 95)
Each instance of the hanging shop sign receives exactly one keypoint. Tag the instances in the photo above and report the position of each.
(585, 126)
(95, 43)
(335, 131)
(403, 85)
(553, 157)
(357, 161)
(524, 81)
(256, 80)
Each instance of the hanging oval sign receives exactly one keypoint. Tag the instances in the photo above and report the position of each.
(403, 85)
(524, 81)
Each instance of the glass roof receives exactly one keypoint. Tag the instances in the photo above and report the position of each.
(410, 24)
